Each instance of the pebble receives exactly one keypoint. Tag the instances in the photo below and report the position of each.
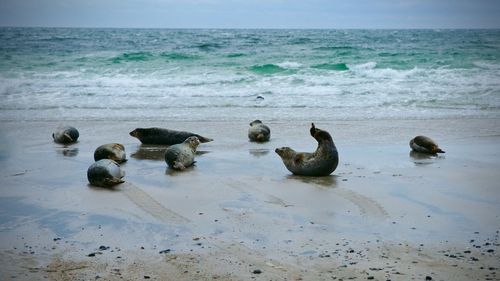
(428, 278)
(166, 251)
(257, 271)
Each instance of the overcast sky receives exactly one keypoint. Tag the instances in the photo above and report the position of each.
(252, 13)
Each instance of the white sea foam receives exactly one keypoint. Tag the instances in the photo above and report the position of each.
(289, 64)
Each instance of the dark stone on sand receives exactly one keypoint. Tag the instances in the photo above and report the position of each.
(166, 251)
(428, 278)
(146, 277)
(91, 255)
(370, 277)
(257, 271)
(103, 248)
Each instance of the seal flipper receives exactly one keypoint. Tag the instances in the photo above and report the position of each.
(178, 165)
(112, 181)
(299, 158)
(68, 137)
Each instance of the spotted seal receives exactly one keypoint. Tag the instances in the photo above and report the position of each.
(180, 156)
(164, 136)
(258, 132)
(322, 162)
(425, 145)
(65, 135)
(105, 173)
(113, 151)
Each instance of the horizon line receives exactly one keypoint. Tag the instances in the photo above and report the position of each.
(264, 28)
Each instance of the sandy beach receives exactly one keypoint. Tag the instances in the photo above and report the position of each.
(384, 214)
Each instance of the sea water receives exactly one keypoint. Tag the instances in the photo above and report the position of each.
(237, 74)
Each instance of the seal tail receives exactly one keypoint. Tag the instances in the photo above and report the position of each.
(439, 150)
(204, 139)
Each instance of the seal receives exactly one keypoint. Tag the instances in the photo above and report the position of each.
(113, 151)
(180, 156)
(164, 136)
(258, 132)
(425, 145)
(105, 173)
(65, 135)
(322, 162)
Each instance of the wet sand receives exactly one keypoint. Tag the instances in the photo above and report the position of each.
(384, 214)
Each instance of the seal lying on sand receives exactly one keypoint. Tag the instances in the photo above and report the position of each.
(113, 151)
(164, 136)
(105, 173)
(258, 131)
(65, 135)
(425, 145)
(181, 156)
(322, 162)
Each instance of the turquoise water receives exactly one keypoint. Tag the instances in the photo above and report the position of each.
(165, 74)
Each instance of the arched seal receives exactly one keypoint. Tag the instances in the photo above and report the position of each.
(322, 162)
(181, 156)
(113, 151)
(65, 135)
(105, 173)
(164, 136)
(425, 145)
(258, 131)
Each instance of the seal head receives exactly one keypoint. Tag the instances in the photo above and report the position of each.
(105, 173)
(322, 162)
(180, 156)
(258, 132)
(65, 135)
(113, 151)
(425, 144)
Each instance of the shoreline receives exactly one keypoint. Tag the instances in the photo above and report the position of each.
(383, 213)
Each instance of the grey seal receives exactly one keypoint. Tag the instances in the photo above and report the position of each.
(425, 145)
(322, 162)
(258, 132)
(164, 136)
(105, 173)
(65, 135)
(113, 151)
(180, 156)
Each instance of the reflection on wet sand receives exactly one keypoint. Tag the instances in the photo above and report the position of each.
(259, 152)
(172, 172)
(68, 151)
(420, 158)
(328, 181)
(155, 152)
(150, 152)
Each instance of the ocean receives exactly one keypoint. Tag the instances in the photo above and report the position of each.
(224, 74)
